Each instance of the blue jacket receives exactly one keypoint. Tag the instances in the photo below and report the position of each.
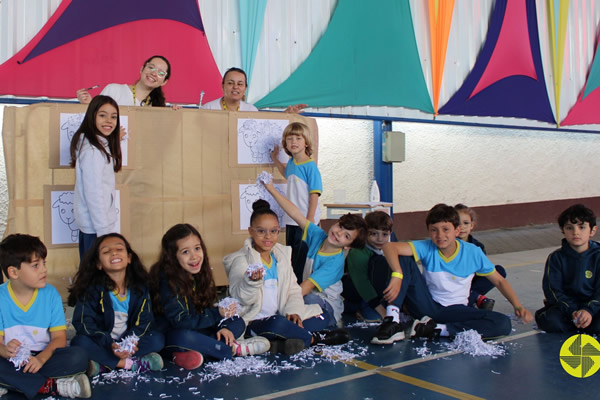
(477, 243)
(94, 315)
(572, 280)
(180, 313)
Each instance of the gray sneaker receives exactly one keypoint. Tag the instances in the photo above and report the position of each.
(74, 386)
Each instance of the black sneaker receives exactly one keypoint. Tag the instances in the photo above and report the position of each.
(388, 332)
(288, 347)
(487, 304)
(331, 338)
(424, 327)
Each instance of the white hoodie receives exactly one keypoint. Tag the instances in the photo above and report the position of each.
(95, 208)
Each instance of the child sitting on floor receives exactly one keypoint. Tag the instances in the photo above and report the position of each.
(441, 291)
(185, 295)
(261, 277)
(571, 280)
(479, 286)
(324, 267)
(112, 303)
(31, 315)
(368, 271)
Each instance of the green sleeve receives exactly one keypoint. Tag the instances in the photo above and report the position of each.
(357, 262)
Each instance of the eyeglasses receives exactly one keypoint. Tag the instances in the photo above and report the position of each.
(260, 232)
(152, 68)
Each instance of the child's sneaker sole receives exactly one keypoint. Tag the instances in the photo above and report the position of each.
(188, 359)
(394, 338)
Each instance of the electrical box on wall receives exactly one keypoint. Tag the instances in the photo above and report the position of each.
(393, 147)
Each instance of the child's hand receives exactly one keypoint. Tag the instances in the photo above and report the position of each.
(256, 275)
(275, 153)
(295, 318)
(33, 365)
(391, 292)
(226, 335)
(12, 347)
(122, 132)
(122, 354)
(83, 96)
(523, 314)
(228, 312)
(582, 319)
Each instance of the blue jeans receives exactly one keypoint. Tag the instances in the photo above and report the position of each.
(481, 285)
(86, 240)
(293, 238)
(203, 341)
(415, 294)
(328, 314)
(279, 327)
(150, 342)
(65, 362)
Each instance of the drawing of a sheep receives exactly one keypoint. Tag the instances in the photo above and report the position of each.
(254, 192)
(259, 138)
(71, 125)
(64, 204)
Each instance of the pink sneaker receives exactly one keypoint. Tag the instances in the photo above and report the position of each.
(188, 359)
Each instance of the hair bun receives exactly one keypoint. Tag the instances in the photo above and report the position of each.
(261, 204)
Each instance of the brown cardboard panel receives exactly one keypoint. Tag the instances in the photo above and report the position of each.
(181, 173)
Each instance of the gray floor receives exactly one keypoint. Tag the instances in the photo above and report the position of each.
(520, 239)
(530, 369)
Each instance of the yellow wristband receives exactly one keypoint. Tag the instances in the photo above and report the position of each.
(397, 275)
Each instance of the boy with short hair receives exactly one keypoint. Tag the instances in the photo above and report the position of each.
(571, 279)
(368, 271)
(441, 292)
(32, 315)
(324, 268)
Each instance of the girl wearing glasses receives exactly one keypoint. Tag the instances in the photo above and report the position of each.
(146, 91)
(271, 299)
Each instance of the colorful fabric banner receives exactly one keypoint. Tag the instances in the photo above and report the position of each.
(252, 15)
(367, 56)
(87, 43)
(558, 16)
(440, 19)
(585, 110)
(507, 79)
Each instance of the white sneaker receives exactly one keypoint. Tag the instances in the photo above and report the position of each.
(251, 346)
(75, 386)
(3, 391)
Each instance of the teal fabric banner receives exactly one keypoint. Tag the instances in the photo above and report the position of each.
(252, 15)
(367, 56)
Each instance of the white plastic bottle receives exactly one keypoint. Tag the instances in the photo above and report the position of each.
(374, 192)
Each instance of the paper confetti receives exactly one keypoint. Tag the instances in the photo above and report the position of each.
(470, 343)
(22, 357)
(272, 142)
(423, 352)
(264, 177)
(230, 306)
(128, 343)
(252, 268)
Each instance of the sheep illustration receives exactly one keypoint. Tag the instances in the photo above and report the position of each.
(71, 124)
(64, 204)
(254, 192)
(260, 138)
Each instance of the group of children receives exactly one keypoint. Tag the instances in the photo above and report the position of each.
(284, 298)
